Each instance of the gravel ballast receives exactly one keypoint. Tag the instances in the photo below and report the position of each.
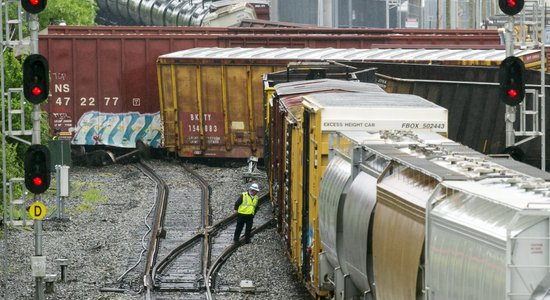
(105, 211)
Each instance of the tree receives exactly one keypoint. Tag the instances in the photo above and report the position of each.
(71, 12)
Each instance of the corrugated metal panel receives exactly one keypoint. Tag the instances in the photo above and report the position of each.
(485, 57)
(371, 100)
(468, 121)
(334, 180)
(290, 94)
(353, 249)
(325, 85)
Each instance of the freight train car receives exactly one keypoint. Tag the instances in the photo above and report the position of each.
(104, 81)
(469, 93)
(183, 13)
(296, 172)
(307, 71)
(417, 216)
(232, 105)
(285, 109)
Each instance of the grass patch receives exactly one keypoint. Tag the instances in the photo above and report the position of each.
(93, 195)
(88, 193)
(82, 208)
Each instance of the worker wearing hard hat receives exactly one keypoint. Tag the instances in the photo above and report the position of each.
(245, 207)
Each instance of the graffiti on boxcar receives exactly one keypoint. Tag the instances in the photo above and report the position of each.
(118, 130)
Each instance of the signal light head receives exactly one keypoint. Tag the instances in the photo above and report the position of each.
(512, 81)
(37, 169)
(511, 7)
(36, 78)
(33, 6)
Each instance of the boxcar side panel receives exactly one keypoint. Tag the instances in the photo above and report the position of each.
(140, 97)
(219, 108)
(62, 86)
(296, 188)
(109, 97)
(86, 104)
(168, 107)
(317, 149)
(185, 87)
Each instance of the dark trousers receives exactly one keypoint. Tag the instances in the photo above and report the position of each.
(241, 221)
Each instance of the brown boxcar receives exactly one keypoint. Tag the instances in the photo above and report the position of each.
(104, 87)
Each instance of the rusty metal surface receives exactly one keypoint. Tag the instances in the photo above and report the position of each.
(213, 110)
(438, 36)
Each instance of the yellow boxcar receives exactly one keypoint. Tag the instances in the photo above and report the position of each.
(213, 107)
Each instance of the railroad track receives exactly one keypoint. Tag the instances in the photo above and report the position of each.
(185, 249)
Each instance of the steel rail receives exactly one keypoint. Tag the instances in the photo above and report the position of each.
(162, 198)
(222, 258)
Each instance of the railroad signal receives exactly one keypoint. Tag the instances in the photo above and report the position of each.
(36, 78)
(34, 6)
(511, 7)
(512, 81)
(37, 169)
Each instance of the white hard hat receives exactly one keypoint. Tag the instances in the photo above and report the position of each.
(254, 187)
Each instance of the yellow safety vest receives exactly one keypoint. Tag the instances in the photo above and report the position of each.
(248, 205)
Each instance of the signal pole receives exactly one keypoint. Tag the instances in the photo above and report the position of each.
(511, 73)
(36, 90)
(510, 114)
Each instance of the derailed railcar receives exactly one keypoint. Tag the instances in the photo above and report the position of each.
(212, 101)
(419, 216)
(306, 157)
(228, 90)
(300, 71)
(285, 112)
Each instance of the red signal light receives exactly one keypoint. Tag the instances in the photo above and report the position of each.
(511, 7)
(512, 93)
(33, 6)
(36, 91)
(37, 181)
